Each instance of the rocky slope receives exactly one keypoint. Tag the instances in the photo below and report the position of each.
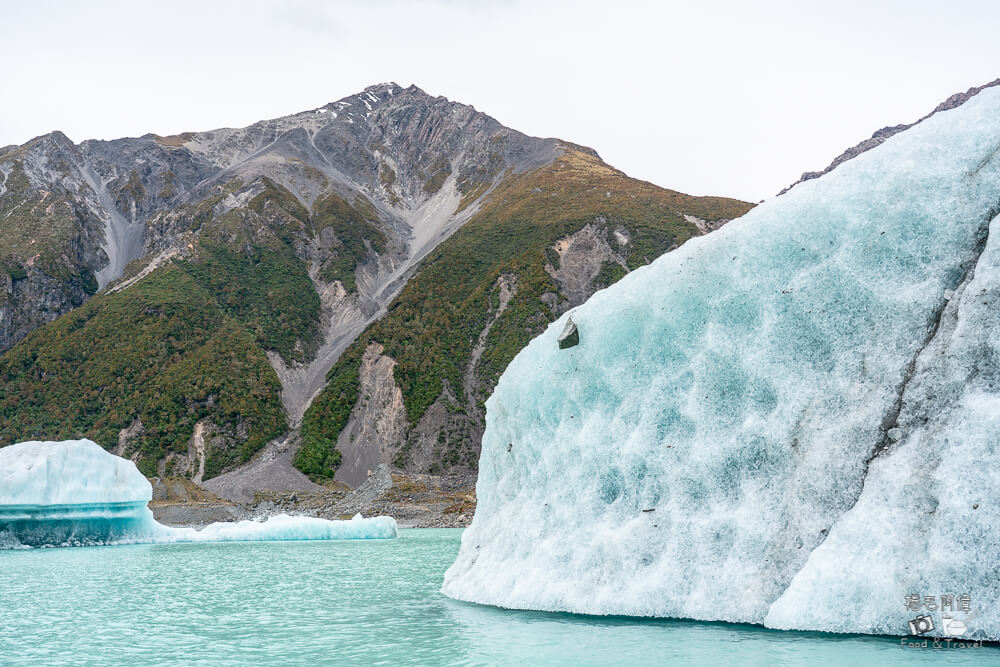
(184, 299)
(410, 389)
(87, 210)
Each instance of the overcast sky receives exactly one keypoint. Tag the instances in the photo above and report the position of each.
(711, 97)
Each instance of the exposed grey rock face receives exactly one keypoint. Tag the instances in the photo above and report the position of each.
(580, 258)
(570, 337)
(705, 226)
(377, 426)
(28, 302)
(378, 431)
(417, 159)
(50, 235)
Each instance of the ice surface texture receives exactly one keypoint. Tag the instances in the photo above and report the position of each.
(72, 472)
(74, 493)
(704, 451)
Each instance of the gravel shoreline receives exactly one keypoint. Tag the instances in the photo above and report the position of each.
(414, 500)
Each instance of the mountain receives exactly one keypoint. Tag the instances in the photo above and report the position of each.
(184, 299)
(410, 390)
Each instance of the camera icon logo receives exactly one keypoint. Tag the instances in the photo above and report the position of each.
(922, 624)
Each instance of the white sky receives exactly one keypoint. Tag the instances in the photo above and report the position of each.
(711, 97)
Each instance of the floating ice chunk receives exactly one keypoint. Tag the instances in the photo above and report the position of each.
(739, 387)
(74, 493)
(284, 527)
(72, 472)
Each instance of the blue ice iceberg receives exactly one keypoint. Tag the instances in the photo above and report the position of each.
(74, 493)
(793, 421)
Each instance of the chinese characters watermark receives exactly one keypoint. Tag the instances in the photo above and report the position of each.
(961, 603)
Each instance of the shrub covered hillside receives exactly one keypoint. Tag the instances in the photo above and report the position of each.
(185, 300)
(143, 363)
(161, 355)
(541, 243)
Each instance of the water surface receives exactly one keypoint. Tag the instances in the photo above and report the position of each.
(350, 602)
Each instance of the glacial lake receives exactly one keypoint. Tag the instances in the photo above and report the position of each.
(351, 603)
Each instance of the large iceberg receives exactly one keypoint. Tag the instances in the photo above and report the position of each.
(793, 421)
(74, 493)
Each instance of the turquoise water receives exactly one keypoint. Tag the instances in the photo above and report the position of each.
(351, 602)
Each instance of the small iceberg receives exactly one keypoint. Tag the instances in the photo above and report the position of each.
(74, 493)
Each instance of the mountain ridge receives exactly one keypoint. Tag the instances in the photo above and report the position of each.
(183, 172)
(284, 241)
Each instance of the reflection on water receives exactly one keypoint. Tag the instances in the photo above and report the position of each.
(350, 603)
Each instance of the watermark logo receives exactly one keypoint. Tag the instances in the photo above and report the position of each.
(961, 602)
(951, 628)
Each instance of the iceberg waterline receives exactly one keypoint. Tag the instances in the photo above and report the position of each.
(74, 493)
(794, 421)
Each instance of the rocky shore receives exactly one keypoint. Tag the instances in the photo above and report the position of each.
(414, 500)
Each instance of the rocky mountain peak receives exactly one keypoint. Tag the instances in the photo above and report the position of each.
(400, 147)
(374, 96)
(51, 147)
(417, 165)
(55, 137)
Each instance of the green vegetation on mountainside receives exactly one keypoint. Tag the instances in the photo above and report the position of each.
(255, 270)
(247, 260)
(431, 328)
(355, 233)
(268, 291)
(188, 341)
(162, 351)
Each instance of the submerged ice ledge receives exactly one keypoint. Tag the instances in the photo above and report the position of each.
(98, 526)
(73, 493)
